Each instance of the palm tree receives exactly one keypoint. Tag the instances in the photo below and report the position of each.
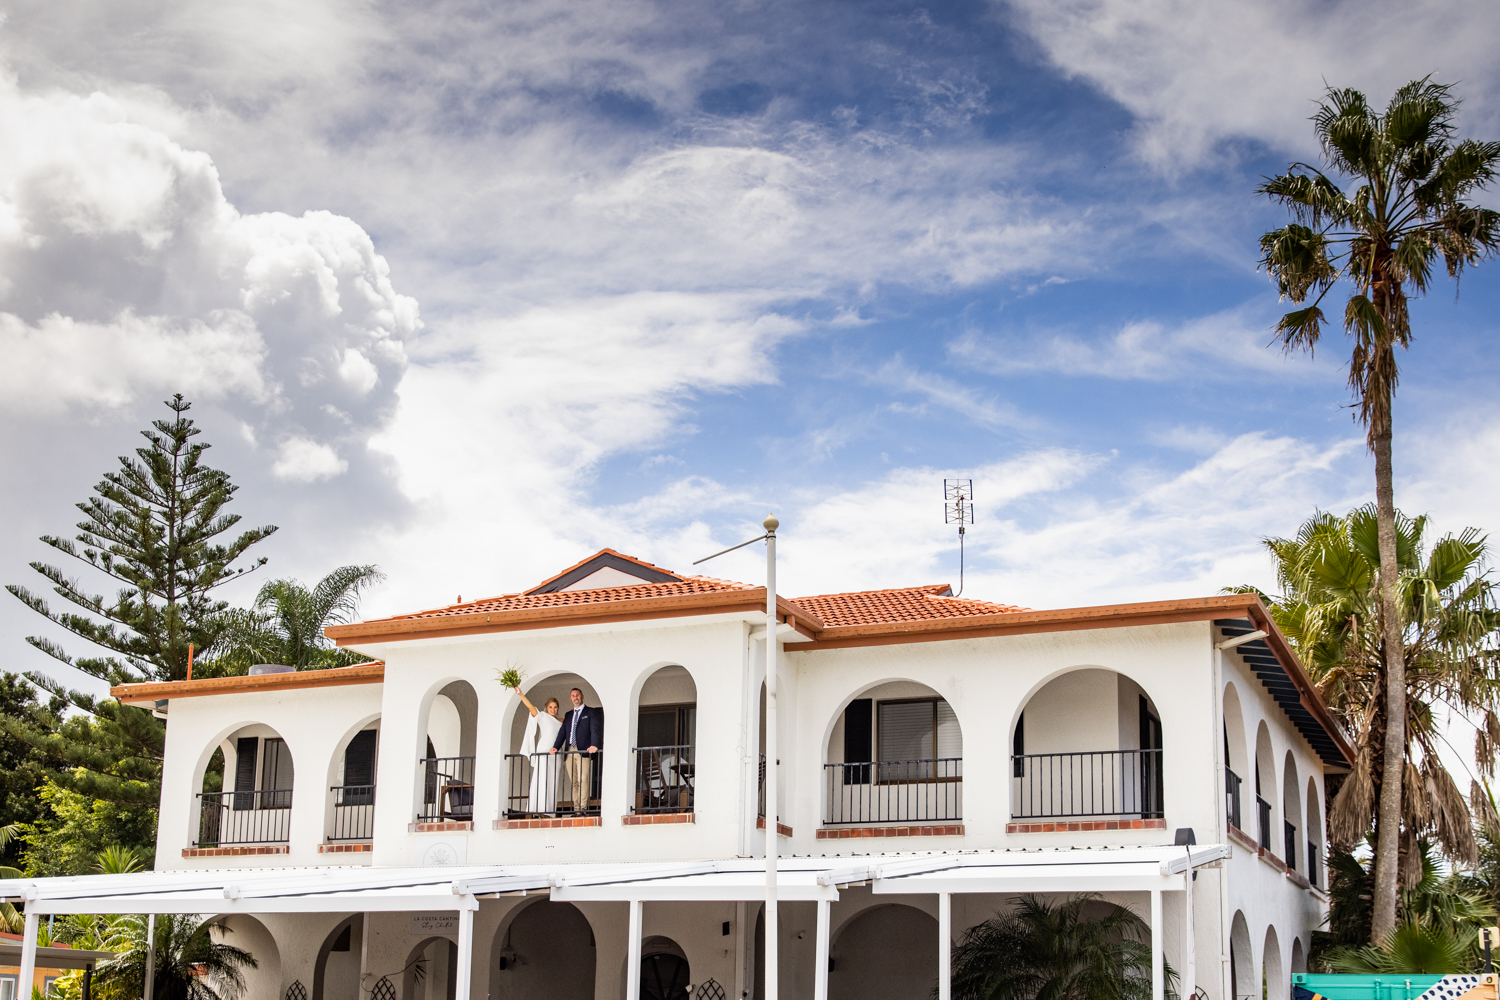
(12, 919)
(285, 624)
(1384, 238)
(1061, 951)
(1332, 609)
(190, 965)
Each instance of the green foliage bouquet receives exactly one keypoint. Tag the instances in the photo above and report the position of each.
(509, 676)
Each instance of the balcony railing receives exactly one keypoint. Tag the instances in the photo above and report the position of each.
(565, 783)
(353, 812)
(664, 779)
(1264, 810)
(894, 791)
(448, 789)
(1103, 783)
(1289, 842)
(1232, 796)
(244, 817)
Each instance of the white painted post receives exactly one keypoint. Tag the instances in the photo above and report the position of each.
(820, 971)
(945, 946)
(150, 956)
(465, 977)
(633, 954)
(742, 975)
(1189, 983)
(364, 954)
(1158, 974)
(772, 814)
(28, 952)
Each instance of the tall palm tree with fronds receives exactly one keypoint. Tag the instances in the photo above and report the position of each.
(1332, 609)
(285, 624)
(1408, 208)
(190, 964)
(1055, 951)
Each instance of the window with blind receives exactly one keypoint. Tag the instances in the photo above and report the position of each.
(914, 737)
(275, 774)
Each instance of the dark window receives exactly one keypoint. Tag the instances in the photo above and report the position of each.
(1018, 748)
(359, 759)
(666, 726)
(245, 753)
(859, 740)
(1150, 727)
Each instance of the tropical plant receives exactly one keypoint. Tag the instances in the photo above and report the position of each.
(285, 625)
(1333, 612)
(1410, 949)
(190, 964)
(1055, 951)
(1383, 238)
(10, 917)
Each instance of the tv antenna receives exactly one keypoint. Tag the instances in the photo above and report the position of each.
(958, 508)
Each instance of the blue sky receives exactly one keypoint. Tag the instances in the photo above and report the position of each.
(471, 291)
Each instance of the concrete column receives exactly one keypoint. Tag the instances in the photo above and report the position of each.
(1158, 972)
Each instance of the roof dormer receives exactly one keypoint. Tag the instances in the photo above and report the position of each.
(605, 568)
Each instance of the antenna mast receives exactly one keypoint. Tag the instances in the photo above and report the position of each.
(958, 508)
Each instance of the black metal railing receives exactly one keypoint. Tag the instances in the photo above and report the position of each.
(1263, 808)
(894, 791)
(664, 779)
(1312, 862)
(565, 783)
(448, 789)
(1232, 797)
(1289, 842)
(353, 812)
(244, 817)
(1102, 783)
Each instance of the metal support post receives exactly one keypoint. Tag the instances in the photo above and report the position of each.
(1189, 936)
(773, 815)
(1158, 973)
(461, 982)
(150, 956)
(945, 946)
(820, 968)
(633, 953)
(28, 952)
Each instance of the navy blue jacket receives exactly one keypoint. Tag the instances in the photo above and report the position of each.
(590, 729)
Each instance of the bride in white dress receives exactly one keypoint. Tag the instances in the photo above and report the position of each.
(541, 733)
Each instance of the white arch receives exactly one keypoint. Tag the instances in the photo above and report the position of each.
(194, 817)
(1274, 966)
(1244, 983)
(1291, 806)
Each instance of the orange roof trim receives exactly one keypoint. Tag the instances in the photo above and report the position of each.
(149, 694)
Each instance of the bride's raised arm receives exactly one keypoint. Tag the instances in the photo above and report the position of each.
(527, 702)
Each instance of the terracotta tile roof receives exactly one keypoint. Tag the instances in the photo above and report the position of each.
(901, 604)
(567, 598)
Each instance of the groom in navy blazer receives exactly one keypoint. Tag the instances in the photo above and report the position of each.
(582, 731)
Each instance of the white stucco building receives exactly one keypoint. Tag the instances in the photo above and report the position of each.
(937, 757)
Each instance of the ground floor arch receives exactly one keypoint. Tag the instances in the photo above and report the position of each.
(546, 949)
(336, 971)
(886, 952)
(431, 970)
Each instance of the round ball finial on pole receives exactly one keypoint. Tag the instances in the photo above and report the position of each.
(770, 523)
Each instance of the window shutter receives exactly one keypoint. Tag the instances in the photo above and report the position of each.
(906, 730)
(244, 763)
(359, 759)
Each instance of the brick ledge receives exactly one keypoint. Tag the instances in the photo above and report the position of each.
(1242, 838)
(781, 828)
(1087, 826)
(1272, 860)
(657, 819)
(552, 823)
(850, 832)
(358, 848)
(447, 826)
(235, 852)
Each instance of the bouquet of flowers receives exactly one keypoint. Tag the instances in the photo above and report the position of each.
(509, 677)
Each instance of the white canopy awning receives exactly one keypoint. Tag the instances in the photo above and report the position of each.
(321, 890)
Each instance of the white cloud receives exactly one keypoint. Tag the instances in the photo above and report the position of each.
(1196, 74)
(305, 461)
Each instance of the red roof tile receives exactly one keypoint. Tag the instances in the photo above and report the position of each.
(901, 604)
(565, 598)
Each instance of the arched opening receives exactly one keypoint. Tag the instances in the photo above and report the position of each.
(336, 972)
(887, 952)
(665, 974)
(1291, 813)
(1265, 788)
(448, 762)
(1299, 960)
(545, 950)
(253, 801)
(431, 971)
(1243, 983)
(894, 755)
(1276, 978)
(664, 767)
(1235, 752)
(1087, 744)
(351, 785)
(539, 782)
(1314, 833)
(241, 930)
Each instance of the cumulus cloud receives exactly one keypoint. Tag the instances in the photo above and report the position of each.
(1197, 74)
(129, 275)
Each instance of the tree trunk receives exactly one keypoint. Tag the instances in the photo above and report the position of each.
(1388, 815)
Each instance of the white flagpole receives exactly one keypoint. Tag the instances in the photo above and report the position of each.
(772, 816)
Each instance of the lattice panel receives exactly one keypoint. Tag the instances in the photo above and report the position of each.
(383, 990)
(296, 991)
(710, 990)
